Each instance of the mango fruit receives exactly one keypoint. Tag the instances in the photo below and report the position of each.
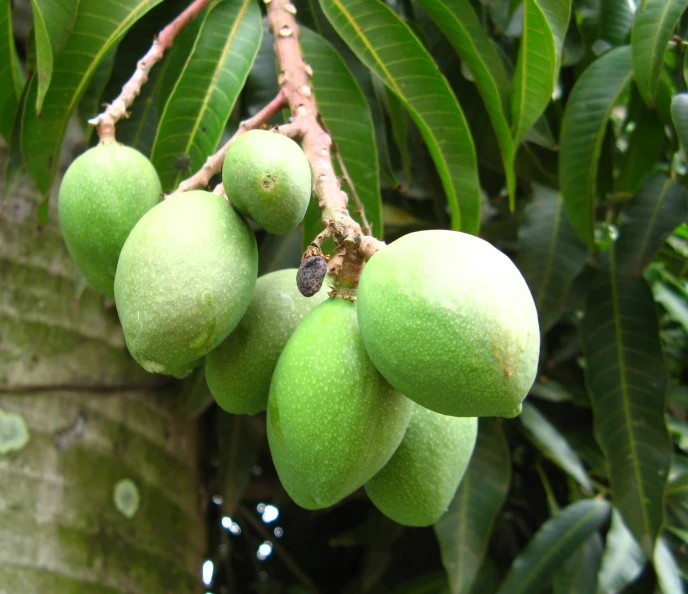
(450, 322)
(333, 421)
(240, 369)
(267, 178)
(418, 483)
(104, 192)
(184, 280)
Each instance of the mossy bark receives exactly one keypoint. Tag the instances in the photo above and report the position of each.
(94, 418)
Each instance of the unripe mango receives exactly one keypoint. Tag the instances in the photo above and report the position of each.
(267, 178)
(240, 369)
(418, 483)
(103, 194)
(450, 322)
(333, 421)
(184, 279)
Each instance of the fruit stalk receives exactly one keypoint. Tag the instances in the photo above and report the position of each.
(115, 111)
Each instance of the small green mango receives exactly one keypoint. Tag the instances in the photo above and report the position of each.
(240, 369)
(184, 279)
(103, 194)
(418, 483)
(450, 322)
(333, 421)
(267, 178)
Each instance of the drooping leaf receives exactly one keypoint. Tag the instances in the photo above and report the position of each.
(652, 28)
(11, 77)
(550, 254)
(399, 124)
(627, 381)
(384, 43)
(553, 444)
(679, 115)
(537, 69)
(616, 19)
(582, 133)
(464, 531)
(579, 574)
(206, 90)
(91, 103)
(458, 21)
(347, 116)
(622, 561)
(667, 569)
(99, 25)
(53, 21)
(556, 540)
(659, 206)
(548, 389)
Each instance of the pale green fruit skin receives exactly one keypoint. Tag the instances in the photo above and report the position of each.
(185, 277)
(267, 177)
(418, 483)
(333, 421)
(103, 194)
(240, 369)
(450, 322)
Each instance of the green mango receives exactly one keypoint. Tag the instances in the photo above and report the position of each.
(184, 280)
(418, 483)
(450, 322)
(240, 369)
(267, 178)
(103, 194)
(333, 421)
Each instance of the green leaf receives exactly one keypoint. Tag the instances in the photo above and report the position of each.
(347, 116)
(679, 115)
(464, 531)
(399, 124)
(659, 206)
(585, 123)
(616, 19)
(667, 569)
(385, 44)
(550, 255)
(553, 444)
(622, 561)
(206, 90)
(11, 77)
(652, 28)
(548, 389)
(579, 573)
(627, 381)
(556, 540)
(458, 21)
(99, 25)
(537, 69)
(92, 102)
(53, 21)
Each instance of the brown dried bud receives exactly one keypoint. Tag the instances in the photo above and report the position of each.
(311, 274)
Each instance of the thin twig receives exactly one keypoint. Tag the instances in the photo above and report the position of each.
(105, 122)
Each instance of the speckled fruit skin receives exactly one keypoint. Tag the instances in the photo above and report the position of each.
(418, 483)
(240, 369)
(185, 277)
(103, 194)
(333, 421)
(450, 322)
(267, 178)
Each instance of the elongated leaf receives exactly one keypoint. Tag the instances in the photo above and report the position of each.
(11, 77)
(679, 115)
(622, 561)
(554, 444)
(627, 381)
(616, 19)
(667, 569)
(52, 24)
(202, 100)
(464, 531)
(652, 28)
(399, 124)
(347, 116)
(458, 21)
(550, 254)
(385, 44)
(579, 573)
(92, 101)
(659, 206)
(556, 540)
(582, 134)
(537, 69)
(99, 25)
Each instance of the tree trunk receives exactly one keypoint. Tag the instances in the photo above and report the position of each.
(99, 482)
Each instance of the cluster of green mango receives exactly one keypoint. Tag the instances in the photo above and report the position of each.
(382, 392)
